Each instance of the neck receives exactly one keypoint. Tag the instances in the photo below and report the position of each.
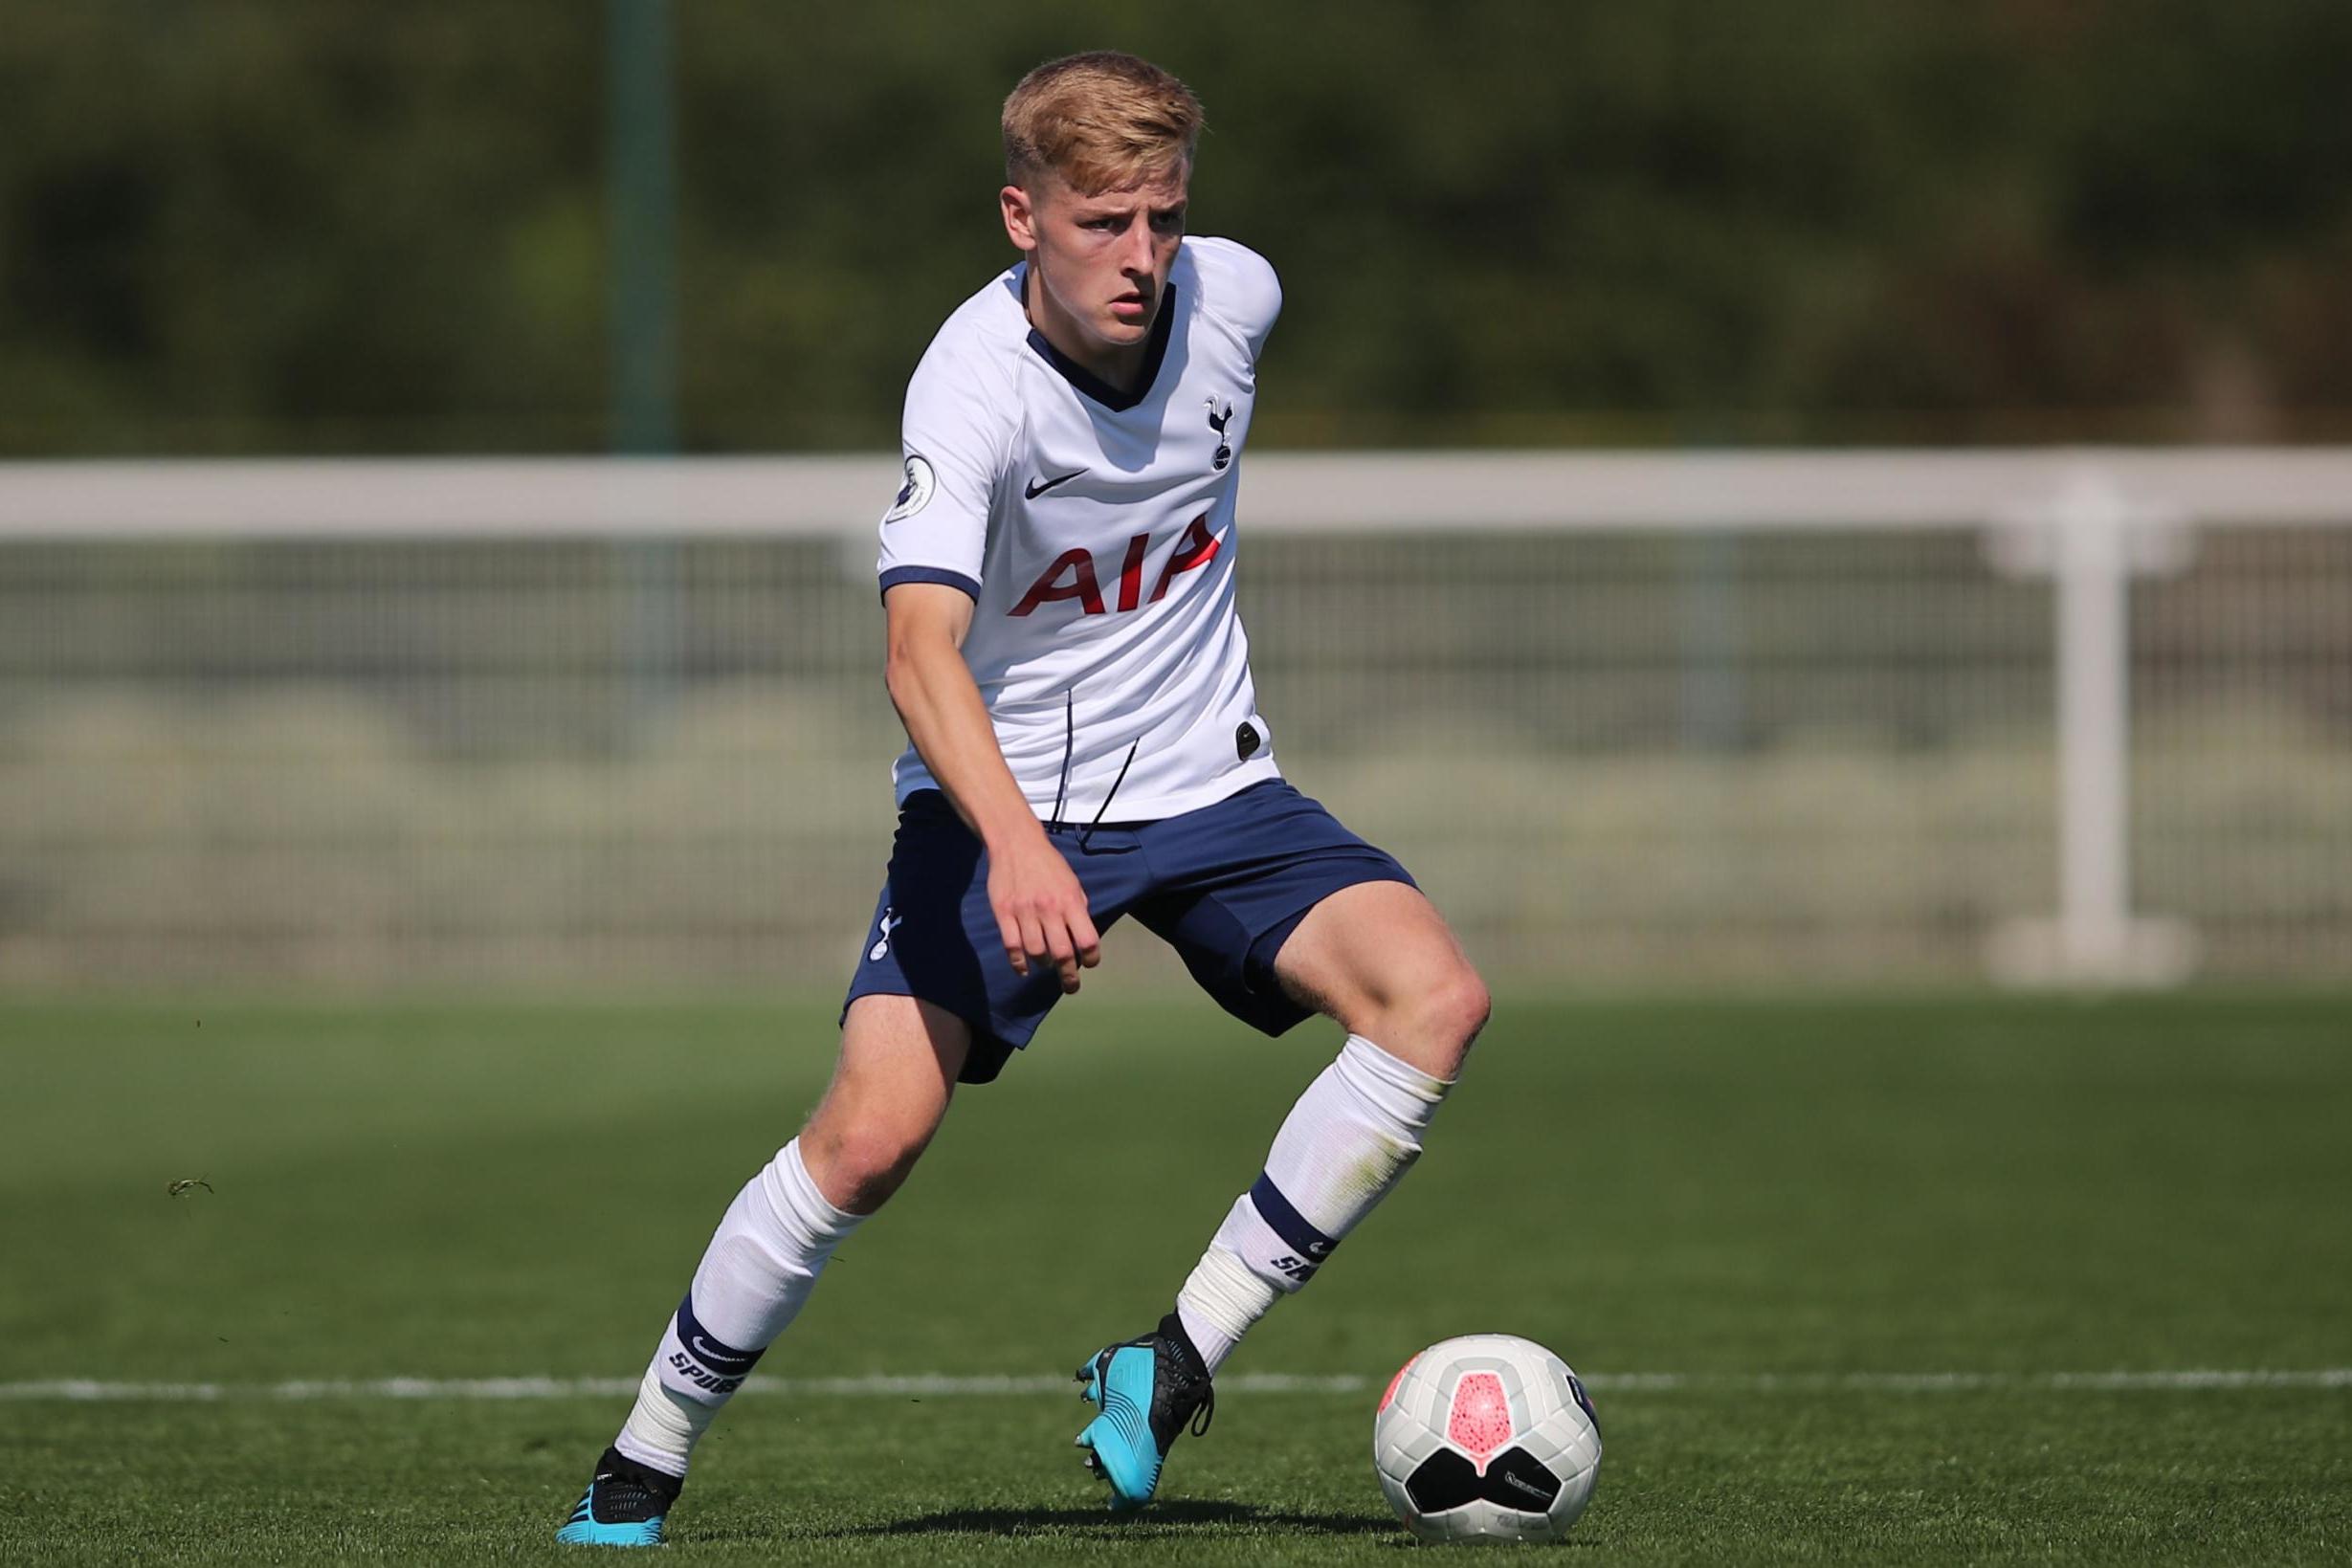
(1115, 364)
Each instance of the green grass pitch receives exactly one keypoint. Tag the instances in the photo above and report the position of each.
(1727, 1192)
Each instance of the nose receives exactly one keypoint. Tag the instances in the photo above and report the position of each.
(1135, 256)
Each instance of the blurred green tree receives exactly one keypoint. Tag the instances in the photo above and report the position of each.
(323, 225)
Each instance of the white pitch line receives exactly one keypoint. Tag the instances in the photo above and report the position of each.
(2186, 1379)
(93, 1391)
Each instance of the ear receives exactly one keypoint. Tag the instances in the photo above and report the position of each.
(1020, 218)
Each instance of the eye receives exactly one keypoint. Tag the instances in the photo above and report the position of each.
(1169, 223)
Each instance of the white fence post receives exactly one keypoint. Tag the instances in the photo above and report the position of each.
(2090, 539)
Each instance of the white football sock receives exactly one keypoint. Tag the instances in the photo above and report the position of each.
(755, 1275)
(1354, 1132)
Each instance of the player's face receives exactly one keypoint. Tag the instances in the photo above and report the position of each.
(1101, 261)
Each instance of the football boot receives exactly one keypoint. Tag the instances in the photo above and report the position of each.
(624, 1505)
(1147, 1391)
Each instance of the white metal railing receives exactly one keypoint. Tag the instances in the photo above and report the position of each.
(1380, 492)
(2089, 520)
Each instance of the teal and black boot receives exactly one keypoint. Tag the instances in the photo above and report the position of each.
(624, 1505)
(1147, 1389)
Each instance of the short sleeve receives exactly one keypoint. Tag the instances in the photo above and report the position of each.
(952, 442)
(1240, 288)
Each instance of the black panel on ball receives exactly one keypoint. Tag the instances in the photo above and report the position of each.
(1514, 1479)
(1444, 1480)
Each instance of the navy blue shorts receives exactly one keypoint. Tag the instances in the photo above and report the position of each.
(1225, 886)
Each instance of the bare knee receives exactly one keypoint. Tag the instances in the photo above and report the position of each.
(1457, 1011)
(873, 1162)
(864, 1138)
(899, 1059)
(1434, 1026)
(858, 1161)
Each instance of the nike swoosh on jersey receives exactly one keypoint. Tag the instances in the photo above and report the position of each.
(1033, 489)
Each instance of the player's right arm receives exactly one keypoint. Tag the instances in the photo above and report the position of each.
(1040, 904)
(959, 433)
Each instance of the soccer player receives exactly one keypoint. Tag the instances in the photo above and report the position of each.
(1058, 579)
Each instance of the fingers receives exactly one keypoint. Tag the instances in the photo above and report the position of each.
(1016, 946)
(1042, 918)
(1065, 940)
(1075, 946)
(1064, 953)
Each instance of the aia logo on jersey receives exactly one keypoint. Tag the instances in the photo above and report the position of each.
(1217, 421)
(1071, 576)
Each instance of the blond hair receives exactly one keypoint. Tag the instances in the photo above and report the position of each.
(1103, 120)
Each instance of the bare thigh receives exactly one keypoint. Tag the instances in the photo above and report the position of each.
(1381, 959)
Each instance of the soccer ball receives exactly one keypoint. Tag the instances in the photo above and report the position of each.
(1486, 1436)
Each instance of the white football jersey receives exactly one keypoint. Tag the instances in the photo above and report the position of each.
(1094, 530)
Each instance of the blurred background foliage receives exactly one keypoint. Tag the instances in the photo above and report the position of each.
(250, 225)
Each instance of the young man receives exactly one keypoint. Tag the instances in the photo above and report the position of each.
(1057, 576)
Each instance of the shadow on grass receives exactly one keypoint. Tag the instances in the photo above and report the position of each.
(1164, 1519)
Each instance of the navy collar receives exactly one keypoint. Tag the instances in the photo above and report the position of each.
(1094, 385)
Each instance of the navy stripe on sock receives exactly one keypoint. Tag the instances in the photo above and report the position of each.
(717, 1355)
(1287, 1221)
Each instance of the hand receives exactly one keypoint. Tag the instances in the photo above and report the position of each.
(1042, 910)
